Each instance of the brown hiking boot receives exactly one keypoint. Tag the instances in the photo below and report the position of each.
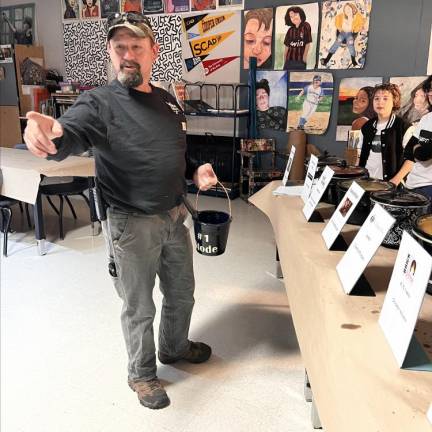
(198, 352)
(151, 394)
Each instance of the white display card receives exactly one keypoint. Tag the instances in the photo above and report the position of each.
(404, 296)
(310, 175)
(289, 165)
(363, 247)
(317, 192)
(342, 213)
(429, 414)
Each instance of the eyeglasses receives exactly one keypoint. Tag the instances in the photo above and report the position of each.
(130, 17)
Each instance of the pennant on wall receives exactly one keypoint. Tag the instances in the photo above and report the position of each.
(193, 61)
(212, 21)
(203, 46)
(189, 22)
(211, 66)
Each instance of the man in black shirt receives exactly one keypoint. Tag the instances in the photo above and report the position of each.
(138, 136)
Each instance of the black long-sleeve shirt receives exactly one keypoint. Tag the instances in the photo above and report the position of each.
(138, 141)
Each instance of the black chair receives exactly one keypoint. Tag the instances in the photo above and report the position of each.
(64, 190)
(6, 217)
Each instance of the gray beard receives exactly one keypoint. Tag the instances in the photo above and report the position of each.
(130, 80)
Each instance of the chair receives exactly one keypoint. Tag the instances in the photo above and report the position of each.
(64, 190)
(6, 217)
(258, 164)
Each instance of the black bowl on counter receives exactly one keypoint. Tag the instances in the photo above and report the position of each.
(422, 232)
(363, 208)
(405, 206)
(341, 172)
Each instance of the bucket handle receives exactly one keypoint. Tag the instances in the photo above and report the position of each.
(223, 187)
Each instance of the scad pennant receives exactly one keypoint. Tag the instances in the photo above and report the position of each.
(189, 22)
(212, 21)
(203, 46)
(211, 66)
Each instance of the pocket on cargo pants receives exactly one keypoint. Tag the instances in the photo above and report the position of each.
(117, 223)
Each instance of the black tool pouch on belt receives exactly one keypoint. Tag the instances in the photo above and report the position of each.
(100, 204)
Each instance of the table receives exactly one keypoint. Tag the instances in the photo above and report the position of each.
(21, 173)
(356, 383)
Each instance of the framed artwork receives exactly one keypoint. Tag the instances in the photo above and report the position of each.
(344, 34)
(130, 6)
(202, 5)
(90, 9)
(70, 10)
(109, 7)
(296, 34)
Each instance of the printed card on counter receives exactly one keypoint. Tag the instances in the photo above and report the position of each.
(317, 192)
(285, 189)
(403, 301)
(363, 247)
(289, 165)
(342, 213)
(310, 175)
(429, 414)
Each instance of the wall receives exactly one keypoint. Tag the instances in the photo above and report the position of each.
(398, 46)
(399, 34)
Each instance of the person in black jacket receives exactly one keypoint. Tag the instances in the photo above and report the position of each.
(138, 136)
(382, 151)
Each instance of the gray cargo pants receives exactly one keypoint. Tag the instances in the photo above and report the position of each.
(143, 246)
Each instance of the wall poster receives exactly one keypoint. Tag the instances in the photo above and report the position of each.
(355, 104)
(109, 7)
(310, 96)
(258, 37)
(70, 9)
(271, 99)
(90, 9)
(344, 34)
(296, 34)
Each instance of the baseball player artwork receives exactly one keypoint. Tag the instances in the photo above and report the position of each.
(310, 96)
(296, 34)
(344, 34)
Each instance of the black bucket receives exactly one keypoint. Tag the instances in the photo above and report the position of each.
(211, 229)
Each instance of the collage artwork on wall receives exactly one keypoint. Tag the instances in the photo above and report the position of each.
(211, 40)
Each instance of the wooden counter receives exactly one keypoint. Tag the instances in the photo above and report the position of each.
(356, 382)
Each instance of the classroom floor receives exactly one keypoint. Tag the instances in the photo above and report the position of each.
(63, 360)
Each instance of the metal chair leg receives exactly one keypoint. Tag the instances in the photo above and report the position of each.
(85, 198)
(52, 205)
(70, 206)
(6, 228)
(61, 218)
(28, 216)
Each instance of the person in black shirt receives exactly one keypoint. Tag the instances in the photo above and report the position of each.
(298, 39)
(138, 136)
(24, 36)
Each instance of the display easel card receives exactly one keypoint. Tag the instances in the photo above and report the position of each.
(282, 190)
(402, 304)
(317, 192)
(363, 247)
(342, 213)
(429, 414)
(289, 165)
(310, 175)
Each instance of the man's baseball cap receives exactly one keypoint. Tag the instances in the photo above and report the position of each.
(316, 78)
(134, 21)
